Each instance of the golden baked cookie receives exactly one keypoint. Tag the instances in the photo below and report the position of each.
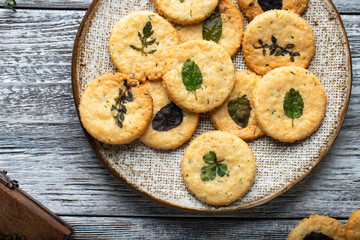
(289, 103)
(277, 38)
(228, 32)
(352, 229)
(199, 75)
(236, 115)
(252, 8)
(218, 168)
(138, 42)
(114, 109)
(318, 227)
(171, 126)
(185, 11)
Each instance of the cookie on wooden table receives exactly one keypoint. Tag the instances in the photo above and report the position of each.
(138, 42)
(225, 26)
(171, 126)
(218, 168)
(352, 229)
(277, 38)
(252, 8)
(318, 227)
(199, 75)
(114, 109)
(236, 115)
(289, 103)
(185, 11)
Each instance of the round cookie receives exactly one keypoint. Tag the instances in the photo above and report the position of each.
(352, 229)
(318, 227)
(286, 89)
(207, 70)
(185, 11)
(252, 8)
(235, 168)
(171, 126)
(100, 106)
(232, 28)
(277, 38)
(240, 107)
(138, 42)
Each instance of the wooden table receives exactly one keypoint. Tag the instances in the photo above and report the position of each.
(42, 144)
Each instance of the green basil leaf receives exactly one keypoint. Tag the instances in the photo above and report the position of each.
(210, 157)
(191, 75)
(239, 110)
(293, 104)
(212, 26)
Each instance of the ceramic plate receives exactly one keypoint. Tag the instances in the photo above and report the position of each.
(156, 174)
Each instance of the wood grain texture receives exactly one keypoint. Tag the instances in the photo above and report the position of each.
(43, 146)
(348, 6)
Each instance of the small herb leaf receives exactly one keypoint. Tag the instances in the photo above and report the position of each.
(209, 172)
(191, 75)
(167, 118)
(181, 1)
(147, 32)
(210, 157)
(212, 26)
(239, 110)
(293, 104)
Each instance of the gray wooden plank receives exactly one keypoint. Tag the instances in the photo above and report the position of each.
(348, 6)
(182, 228)
(41, 138)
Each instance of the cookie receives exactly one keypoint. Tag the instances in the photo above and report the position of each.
(218, 168)
(230, 29)
(185, 11)
(137, 43)
(242, 120)
(289, 103)
(114, 109)
(252, 8)
(171, 126)
(199, 75)
(277, 38)
(352, 229)
(318, 227)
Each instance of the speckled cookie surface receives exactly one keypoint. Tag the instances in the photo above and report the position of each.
(97, 114)
(236, 155)
(352, 228)
(252, 8)
(217, 72)
(185, 11)
(314, 226)
(277, 38)
(269, 95)
(245, 82)
(163, 138)
(232, 28)
(134, 57)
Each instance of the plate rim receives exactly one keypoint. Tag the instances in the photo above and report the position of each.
(107, 165)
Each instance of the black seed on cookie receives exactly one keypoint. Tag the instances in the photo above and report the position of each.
(316, 236)
(167, 118)
(267, 5)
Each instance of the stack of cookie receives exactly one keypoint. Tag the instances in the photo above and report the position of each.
(326, 228)
(169, 73)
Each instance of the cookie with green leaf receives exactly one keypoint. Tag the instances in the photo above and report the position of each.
(289, 103)
(115, 109)
(236, 114)
(138, 43)
(277, 38)
(225, 26)
(218, 168)
(199, 75)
